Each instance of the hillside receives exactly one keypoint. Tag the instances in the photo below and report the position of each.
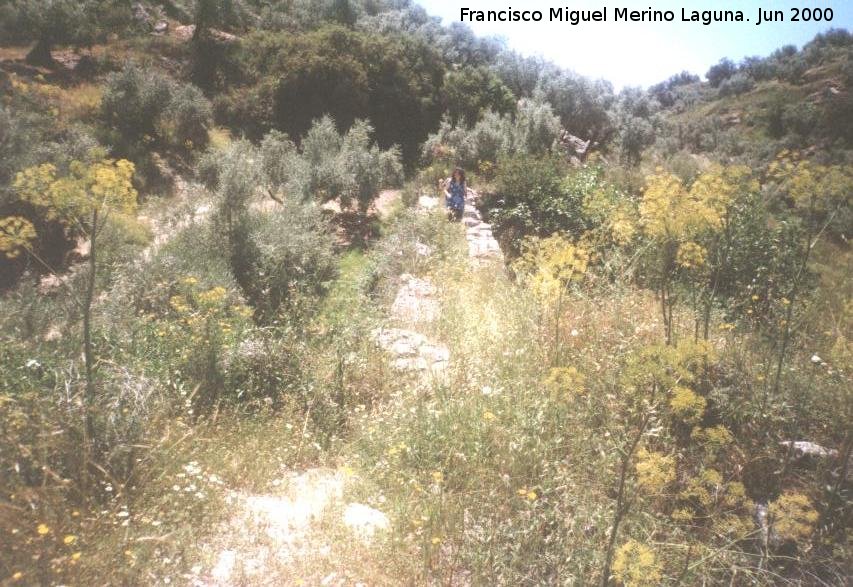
(242, 342)
(803, 105)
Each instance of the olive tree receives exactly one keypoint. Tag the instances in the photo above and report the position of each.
(53, 22)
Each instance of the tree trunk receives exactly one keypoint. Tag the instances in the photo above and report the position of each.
(621, 508)
(40, 53)
(88, 352)
(789, 314)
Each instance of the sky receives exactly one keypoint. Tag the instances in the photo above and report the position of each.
(641, 54)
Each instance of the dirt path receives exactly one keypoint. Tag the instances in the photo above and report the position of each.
(309, 523)
(188, 206)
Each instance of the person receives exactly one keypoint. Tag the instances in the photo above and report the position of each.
(454, 195)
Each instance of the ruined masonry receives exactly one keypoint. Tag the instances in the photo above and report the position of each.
(416, 301)
(282, 528)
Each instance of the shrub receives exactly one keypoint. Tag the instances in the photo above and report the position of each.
(454, 144)
(536, 196)
(145, 106)
(293, 263)
(637, 121)
(295, 79)
(133, 100)
(470, 91)
(801, 119)
(720, 72)
(534, 129)
(664, 92)
(279, 158)
(187, 117)
(16, 137)
(582, 105)
(283, 259)
(349, 168)
(737, 84)
(759, 68)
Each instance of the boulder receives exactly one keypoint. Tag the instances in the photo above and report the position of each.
(576, 148)
(141, 15)
(365, 521)
(185, 32)
(428, 202)
(415, 301)
(803, 449)
(423, 250)
(412, 351)
(761, 516)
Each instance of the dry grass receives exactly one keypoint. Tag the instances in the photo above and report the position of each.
(79, 102)
(14, 53)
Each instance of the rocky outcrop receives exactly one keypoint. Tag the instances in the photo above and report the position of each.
(806, 454)
(803, 449)
(416, 301)
(272, 531)
(412, 351)
(482, 245)
(481, 241)
(364, 521)
(576, 149)
(186, 32)
(141, 16)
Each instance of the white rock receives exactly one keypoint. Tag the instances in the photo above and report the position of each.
(804, 448)
(415, 301)
(364, 521)
(412, 350)
(428, 202)
(224, 566)
(286, 518)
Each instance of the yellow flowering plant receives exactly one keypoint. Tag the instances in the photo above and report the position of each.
(635, 565)
(691, 230)
(565, 382)
(654, 470)
(81, 201)
(793, 516)
(194, 331)
(819, 194)
(686, 405)
(16, 236)
(549, 267)
(76, 199)
(648, 382)
(708, 498)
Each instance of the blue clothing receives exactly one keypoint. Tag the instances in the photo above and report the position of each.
(456, 201)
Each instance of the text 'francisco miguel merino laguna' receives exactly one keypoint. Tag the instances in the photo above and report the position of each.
(604, 14)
